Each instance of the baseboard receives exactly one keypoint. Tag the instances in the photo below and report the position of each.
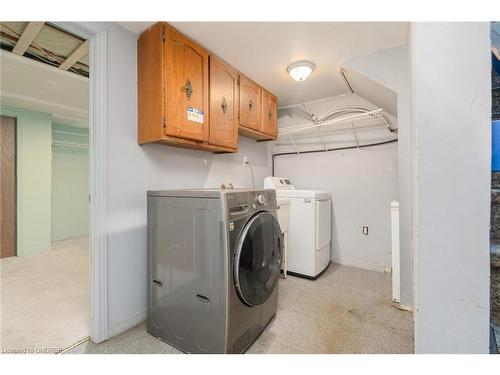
(360, 264)
(126, 324)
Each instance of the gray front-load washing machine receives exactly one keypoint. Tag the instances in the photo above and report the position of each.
(214, 259)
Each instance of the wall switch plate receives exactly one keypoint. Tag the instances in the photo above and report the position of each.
(365, 230)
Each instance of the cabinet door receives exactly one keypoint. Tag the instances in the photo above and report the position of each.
(269, 118)
(249, 104)
(223, 102)
(150, 84)
(186, 88)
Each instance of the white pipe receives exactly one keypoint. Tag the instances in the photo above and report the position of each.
(396, 277)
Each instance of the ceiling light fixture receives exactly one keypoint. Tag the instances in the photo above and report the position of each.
(300, 70)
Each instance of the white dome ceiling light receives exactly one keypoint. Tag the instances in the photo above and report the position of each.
(300, 70)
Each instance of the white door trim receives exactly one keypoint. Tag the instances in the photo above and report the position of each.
(97, 35)
(98, 188)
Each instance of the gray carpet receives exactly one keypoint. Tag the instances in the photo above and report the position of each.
(45, 299)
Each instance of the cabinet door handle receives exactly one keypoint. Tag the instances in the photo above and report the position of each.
(250, 105)
(188, 89)
(269, 115)
(223, 105)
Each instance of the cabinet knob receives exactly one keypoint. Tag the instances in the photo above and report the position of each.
(250, 104)
(223, 105)
(269, 115)
(188, 89)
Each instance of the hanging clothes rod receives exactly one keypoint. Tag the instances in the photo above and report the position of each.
(70, 145)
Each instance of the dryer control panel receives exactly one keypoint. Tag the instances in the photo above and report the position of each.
(278, 183)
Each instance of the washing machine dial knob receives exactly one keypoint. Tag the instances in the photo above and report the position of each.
(261, 199)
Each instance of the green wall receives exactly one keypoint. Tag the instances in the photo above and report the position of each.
(52, 181)
(70, 184)
(34, 153)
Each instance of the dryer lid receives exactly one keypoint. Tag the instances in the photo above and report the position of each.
(285, 189)
(313, 194)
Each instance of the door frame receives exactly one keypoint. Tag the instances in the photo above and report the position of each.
(96, 33)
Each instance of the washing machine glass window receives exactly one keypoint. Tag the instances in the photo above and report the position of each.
(258, 259)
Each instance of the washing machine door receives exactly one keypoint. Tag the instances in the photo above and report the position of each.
(258, 259)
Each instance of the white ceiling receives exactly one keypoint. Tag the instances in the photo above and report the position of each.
(136, 27)
(263, 50)
(40, 87)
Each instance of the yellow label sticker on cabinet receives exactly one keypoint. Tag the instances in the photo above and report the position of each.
(195, 114)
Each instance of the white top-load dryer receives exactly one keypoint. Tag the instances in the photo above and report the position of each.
(309, 227)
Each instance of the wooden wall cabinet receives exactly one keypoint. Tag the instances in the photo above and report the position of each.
(224, 95)
(189, 98)
(255, 105)
(269, 114)
(173, 90)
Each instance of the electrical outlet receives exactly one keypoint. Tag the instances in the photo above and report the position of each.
(245, 160)
(365, 230)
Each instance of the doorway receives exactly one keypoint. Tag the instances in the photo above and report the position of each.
(45, 193)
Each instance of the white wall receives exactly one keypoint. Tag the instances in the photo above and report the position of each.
(451, 98)
(362, 183)
(389, 69)
(134, 169)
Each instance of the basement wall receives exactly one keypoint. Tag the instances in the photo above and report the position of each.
(379, 74)
(362, 184)
(450, 124)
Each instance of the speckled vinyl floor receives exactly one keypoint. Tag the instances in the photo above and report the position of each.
(347, 310)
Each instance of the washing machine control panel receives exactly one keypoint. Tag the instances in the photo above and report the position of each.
(244, 202)
(278, 183)
(261, 199)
